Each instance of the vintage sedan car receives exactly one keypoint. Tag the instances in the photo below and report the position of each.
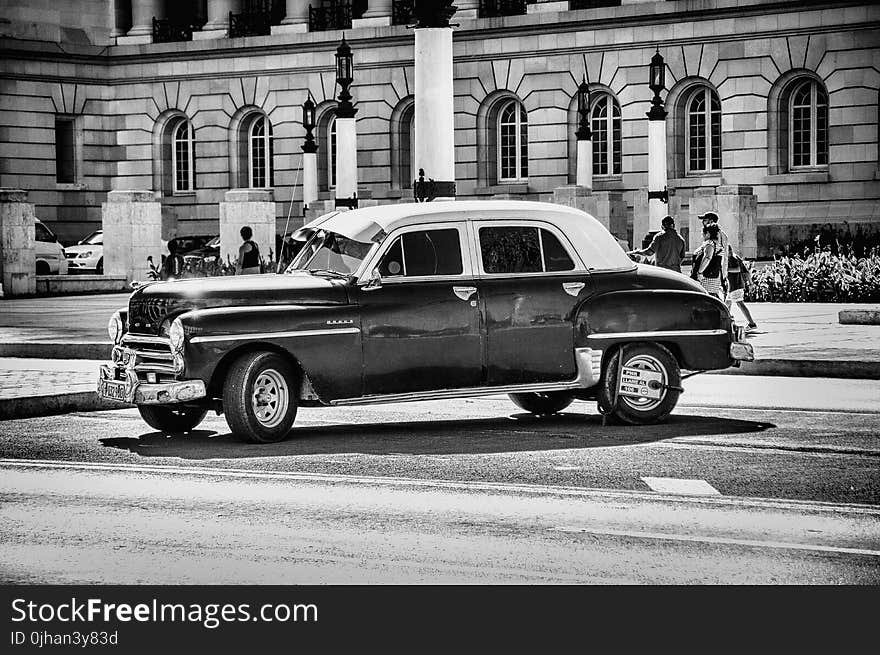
(422, 301)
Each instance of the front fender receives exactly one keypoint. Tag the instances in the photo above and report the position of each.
(324, 340)
(695, 326)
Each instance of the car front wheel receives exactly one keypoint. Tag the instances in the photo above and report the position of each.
(649, 357)
(542, 403)
(260, 397)
(172, 419)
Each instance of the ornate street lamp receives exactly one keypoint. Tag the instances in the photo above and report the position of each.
(308, 121)
(583, 107)
(657, 82)
(344, 78)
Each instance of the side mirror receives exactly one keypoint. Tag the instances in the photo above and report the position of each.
(375, 281)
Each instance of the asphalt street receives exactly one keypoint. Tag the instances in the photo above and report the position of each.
(752, 480)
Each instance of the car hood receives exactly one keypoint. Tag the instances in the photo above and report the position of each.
(153, 304)
(84, 248)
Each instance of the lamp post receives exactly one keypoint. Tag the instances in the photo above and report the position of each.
(658, 195)
(346, 134)
(434, 117)
(584, 177)
(310, 156)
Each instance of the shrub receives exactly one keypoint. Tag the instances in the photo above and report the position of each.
(819, 277)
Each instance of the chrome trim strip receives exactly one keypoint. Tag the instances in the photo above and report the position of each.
(659, 333)
(589, 365)
(128, 337)
(274, 335)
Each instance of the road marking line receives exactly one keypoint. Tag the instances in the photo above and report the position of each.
(552, 490)
(722, 541)
(681, 486)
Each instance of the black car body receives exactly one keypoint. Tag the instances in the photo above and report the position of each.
(422, 301)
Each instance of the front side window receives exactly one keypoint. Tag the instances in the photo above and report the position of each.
(513, 143)
(423, 253)
(261, 154)
(808, 125)
(704, 131)
(182, 154)
(605, 126)
(522, 250)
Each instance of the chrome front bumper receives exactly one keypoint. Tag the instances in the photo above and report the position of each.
(133, 391)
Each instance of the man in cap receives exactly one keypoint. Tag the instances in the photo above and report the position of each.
(711, 218)
(667, 246)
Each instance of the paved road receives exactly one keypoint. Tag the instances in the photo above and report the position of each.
(752, 480)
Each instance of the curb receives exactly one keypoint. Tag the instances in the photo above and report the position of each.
(859, 317)
(62, 403)
(813, 368)
(52, 350)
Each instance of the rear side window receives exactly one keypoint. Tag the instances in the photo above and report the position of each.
(423, 253)
(515, 249)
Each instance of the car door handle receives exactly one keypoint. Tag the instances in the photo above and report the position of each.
(464, 292)
(572, 288)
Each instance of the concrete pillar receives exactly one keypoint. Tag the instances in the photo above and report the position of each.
(641, 218)
(346, 158)
(17, 244)
(310, 178)
(217, 26)
(296, 18)
(253, 207)
(132, 224)
(701, 202)
(737, 208)
(434, 111)
(584, 175)
(572, 195)
(657, 178)
(611, 212)
(378, 14)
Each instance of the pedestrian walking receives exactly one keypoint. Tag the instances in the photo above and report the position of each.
(739, 280)
(707, 262)
(248, 254)
(667, 246)
(711, 218)
(172, 267)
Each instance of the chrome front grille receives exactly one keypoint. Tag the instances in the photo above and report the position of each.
(146, 354)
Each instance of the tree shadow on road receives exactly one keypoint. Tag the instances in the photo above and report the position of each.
(513, 433)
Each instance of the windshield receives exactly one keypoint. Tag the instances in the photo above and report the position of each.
(94, 239)
(330, 252)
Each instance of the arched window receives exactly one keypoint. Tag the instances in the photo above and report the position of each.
(513, 143)
(331, 153)
(808, 125)
(261, 154)
(408, 170)
(183, 156)
(703, 148)
(605, 125)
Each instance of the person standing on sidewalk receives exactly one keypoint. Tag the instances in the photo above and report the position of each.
(739, 280)
(711, 218)
(248, 254)
(707, 263)
(667, 247)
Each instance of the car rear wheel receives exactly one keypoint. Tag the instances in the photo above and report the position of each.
(649, 357)
(542, 403)
(43, 268)
(171, 418)
(260, 397)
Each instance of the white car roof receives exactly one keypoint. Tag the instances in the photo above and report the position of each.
(595, 244)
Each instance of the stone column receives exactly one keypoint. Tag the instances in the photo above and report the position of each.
(346, 157)
(132, 224)
(17, 244)
(737, 208)
(584, 176)
(641, 219)
(657, 179)
(252, 207)
(217, 26)
(607, 207)
(701, 202)
(296, 18)
(310, 176)
(434, 112)
(378, 14)
(142, 14)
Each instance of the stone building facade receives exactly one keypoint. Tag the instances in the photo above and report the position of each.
(776, 95)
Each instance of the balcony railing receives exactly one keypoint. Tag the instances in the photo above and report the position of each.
(592, 4)
(494, 8)
(402, 12)
(166, 31)
(335, 16)
(250, 23)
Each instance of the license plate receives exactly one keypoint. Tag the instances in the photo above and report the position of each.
(636, 383)
(113, 390)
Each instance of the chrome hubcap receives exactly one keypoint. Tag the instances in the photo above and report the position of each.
(270, 398)
(647, 363)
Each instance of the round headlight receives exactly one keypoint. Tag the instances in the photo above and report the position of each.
(115, 328)
(176, 335)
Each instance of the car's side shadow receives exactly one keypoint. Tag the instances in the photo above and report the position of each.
(513, 433)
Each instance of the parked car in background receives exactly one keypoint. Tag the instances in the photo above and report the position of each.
(209, 252)
(48, 253)
(188, 244)
(87, 256)
(422, 301)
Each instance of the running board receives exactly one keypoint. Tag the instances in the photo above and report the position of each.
(589, 365)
